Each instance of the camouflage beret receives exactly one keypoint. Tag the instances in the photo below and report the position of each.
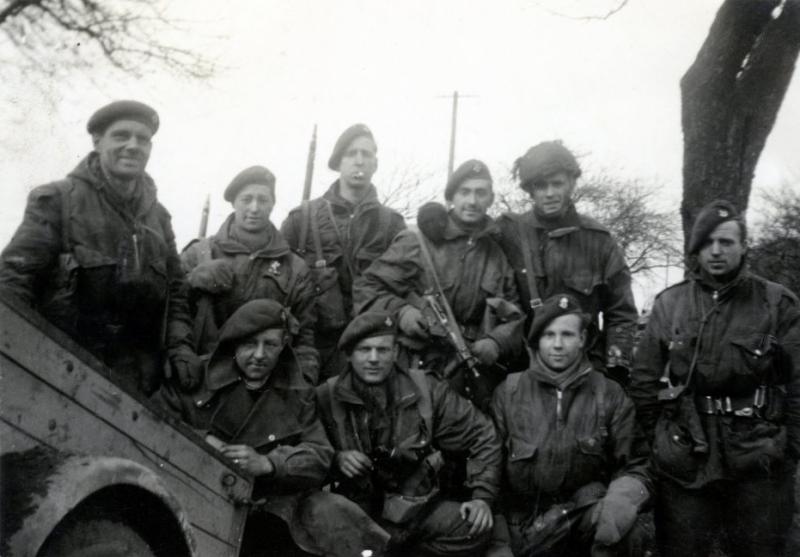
(256, 316)
(348, 136)
(710, 217)
(554, 306)
(367, 325)
(122, 110)
(544, 159)
(472, 168)
(252, 175)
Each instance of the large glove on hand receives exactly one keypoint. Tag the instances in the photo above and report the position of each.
(188, 367)
(412, 322)
(486, 350)
(617, 511)
(213, 276)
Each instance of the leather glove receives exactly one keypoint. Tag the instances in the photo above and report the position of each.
(188, 368)
(616, 513)
(412, 322)
(213, 276)
(486, 350)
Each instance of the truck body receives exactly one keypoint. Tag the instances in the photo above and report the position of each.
(75, 447)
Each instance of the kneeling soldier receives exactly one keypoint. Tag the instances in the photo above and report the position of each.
(255, 407)
(568, 432)
(388, 427)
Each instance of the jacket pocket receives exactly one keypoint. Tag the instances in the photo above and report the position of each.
(582, 282)
(753, 354)
(331, 313)
(753, 447)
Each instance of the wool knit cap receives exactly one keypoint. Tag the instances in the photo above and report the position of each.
(248, 176)
(348, 136)
(554, 306)
(472, 168)
(710, 217)
(122, 110)
(432, 221)
(367, 325)
(256, 316)
(544, 159)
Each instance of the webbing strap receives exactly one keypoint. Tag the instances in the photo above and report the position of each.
(425, 404)
(527, 256)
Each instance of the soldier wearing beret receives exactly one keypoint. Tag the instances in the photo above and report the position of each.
(95, 254)
(553, 249)
(257, 409)
(340, 233)
(717, 390)
(390, 428)
(572, 484)
(247, 259)
(476, 279)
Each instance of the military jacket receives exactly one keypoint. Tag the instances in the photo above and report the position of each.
(356, 236)
(104, 270)
(743, 337)
(280, 423)
(272, 272)
(578, 257)
(471, 268)
(557, 441)
(457, 426)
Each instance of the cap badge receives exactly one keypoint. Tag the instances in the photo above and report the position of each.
(275, 268)
(476, 168)
(388, 322)
(723, 213)
(563, 303)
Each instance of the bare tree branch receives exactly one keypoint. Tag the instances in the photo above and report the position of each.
(601, 17)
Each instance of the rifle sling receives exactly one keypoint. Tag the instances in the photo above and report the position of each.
(529, 270)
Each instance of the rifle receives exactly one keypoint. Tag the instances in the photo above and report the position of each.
(312, 151)
(204, 218)
(443, 314)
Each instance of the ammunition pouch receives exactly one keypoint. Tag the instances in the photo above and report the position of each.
(766, 403)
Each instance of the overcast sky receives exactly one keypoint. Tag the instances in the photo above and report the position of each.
(609, 89)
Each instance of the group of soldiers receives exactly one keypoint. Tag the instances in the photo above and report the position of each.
(463, 387)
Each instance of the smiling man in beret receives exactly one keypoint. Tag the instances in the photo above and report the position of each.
(553, 249)
(477, 280)
(248, 259)
(716, 384)
(95, 254)
(573, 487)
(340, 234)
(392, 430)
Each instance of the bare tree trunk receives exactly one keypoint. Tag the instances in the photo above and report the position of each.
(731, 96)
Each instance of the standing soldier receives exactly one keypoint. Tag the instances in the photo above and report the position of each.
(454, 261)
(388, 427)
(554, 249)
(249, 259)
(340, 234)
(572, 485)
(717, 389)
(95, 254)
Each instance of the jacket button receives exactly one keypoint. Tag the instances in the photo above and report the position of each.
(271, 437)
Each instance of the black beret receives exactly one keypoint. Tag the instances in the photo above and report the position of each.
(256, 316)
(554, 306)
(123, 110)
(472, 168)
(252, 175)
(710, 217)
(367, 325)
(544, 159)
(344, 141)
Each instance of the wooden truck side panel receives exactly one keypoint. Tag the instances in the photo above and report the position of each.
(54, 399)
